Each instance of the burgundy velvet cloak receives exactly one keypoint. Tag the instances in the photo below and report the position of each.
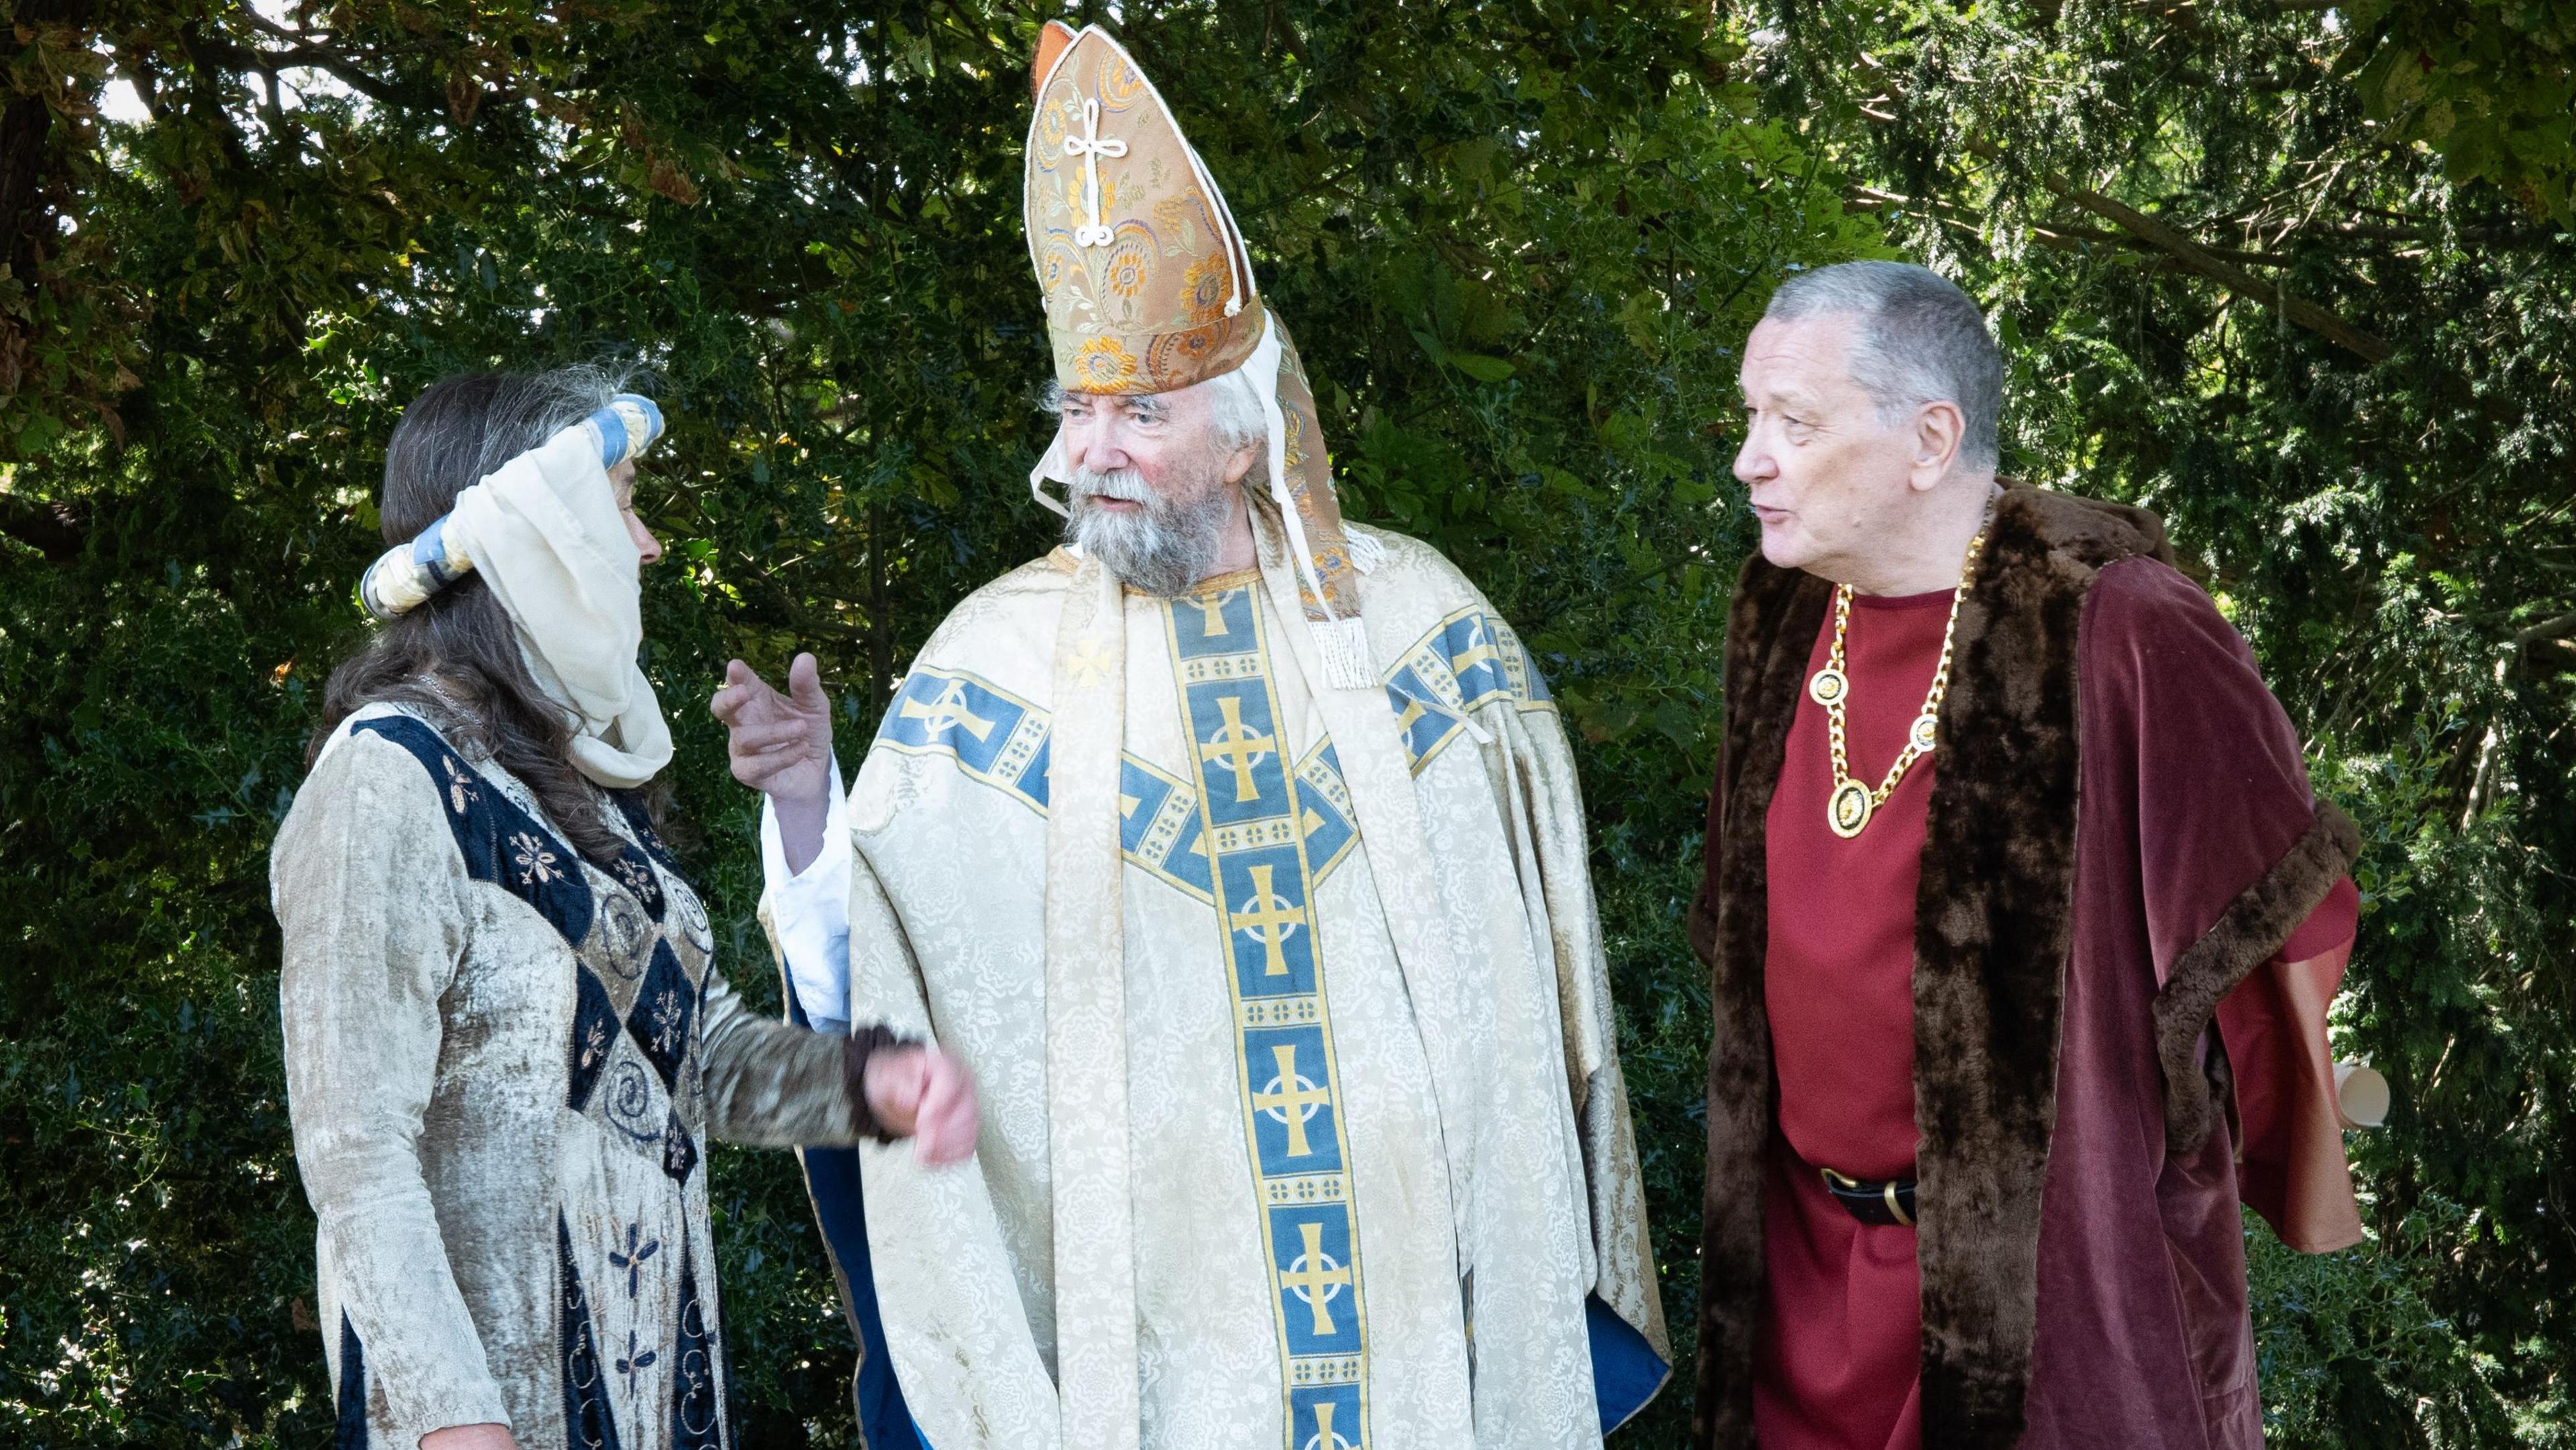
(2120, 832)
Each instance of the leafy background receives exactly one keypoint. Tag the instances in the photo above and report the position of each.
(2299, 277)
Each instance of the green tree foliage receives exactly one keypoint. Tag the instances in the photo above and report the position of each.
(1517, 242)
(2490, 84)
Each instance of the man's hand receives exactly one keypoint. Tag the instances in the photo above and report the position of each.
(781, 746)
(469, 1437)
(927, 1093)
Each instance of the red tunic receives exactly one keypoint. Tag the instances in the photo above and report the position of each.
(1838, 1354)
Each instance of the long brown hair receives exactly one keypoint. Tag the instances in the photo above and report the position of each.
(456, 657)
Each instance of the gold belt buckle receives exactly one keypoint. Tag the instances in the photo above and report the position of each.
(1895, 1208)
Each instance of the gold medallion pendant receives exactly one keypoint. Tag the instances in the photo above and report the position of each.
(1850, 804)
(1849, 808)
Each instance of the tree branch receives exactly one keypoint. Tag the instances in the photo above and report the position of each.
(215, 50)
(2059, 236)
(55, 530)
(2197, 258)
(2053, 233)
(2548, 629)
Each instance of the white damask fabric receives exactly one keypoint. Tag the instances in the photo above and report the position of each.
(1361, 1010)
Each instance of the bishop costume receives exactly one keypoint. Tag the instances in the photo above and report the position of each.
(1975, 1146)
(1261, 915)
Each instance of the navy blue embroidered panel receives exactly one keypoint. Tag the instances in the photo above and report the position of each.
(504, 845)
(630, 804)
(695, 1421)
(501, 843)
(352, 1431)
(588, 1422)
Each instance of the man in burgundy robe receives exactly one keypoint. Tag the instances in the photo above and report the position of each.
(1992, 1067)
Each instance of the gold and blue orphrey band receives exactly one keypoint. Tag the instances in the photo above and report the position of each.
(1251, 810)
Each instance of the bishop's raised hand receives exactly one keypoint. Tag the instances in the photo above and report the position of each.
(781, 746)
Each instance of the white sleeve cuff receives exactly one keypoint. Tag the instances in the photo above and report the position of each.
(810, 910)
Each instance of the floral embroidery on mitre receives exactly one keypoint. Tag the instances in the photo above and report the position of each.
(1110, 191)
(1104, 365)
(1205, 286)
(1121, 85)
(1108, 170)
(1129, 268)
(1186, 218)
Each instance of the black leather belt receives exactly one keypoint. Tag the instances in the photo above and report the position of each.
(1880, 1203)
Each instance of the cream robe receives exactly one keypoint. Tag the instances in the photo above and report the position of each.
(1370, 1092)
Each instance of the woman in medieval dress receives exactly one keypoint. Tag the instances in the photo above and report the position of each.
(506, 1039)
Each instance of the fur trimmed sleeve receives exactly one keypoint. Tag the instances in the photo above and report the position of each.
(2238, 862)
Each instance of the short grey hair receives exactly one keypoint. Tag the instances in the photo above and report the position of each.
(1236, 418)
(1919, 340)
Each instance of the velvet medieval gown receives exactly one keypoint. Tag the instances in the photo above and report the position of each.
(503, 1064)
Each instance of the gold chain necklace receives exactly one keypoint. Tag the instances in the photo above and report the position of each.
(1851, 804)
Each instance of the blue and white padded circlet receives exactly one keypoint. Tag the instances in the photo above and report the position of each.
(404, 576)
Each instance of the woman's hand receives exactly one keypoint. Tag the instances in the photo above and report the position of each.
(928, 1094)
(469, 1437)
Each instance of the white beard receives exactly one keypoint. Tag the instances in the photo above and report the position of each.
(1162, 549)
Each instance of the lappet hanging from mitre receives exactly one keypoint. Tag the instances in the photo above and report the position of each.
(1238, 849)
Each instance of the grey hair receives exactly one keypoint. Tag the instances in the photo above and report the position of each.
(466, 428)
(1235, 414)
(1919, 340)
(1236, 418)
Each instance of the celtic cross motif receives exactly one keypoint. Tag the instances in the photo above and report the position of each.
(1480, 649)
(1291, 1099)
(1211, 608)
(1325, 1436)
(1269, 919)
(1238, 748)
(1091, 146)
(1314, 1278)
(948, 712)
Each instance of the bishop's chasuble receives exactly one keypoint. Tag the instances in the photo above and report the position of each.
(1303, 1121)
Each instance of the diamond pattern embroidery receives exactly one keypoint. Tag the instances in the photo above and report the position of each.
(665, 1009)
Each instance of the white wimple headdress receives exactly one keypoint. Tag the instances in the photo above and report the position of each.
(546, 534)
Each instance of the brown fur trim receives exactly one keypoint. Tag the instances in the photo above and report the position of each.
(1769, 630)
(1994, 919)
(1993, 930)
(2247, 934)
